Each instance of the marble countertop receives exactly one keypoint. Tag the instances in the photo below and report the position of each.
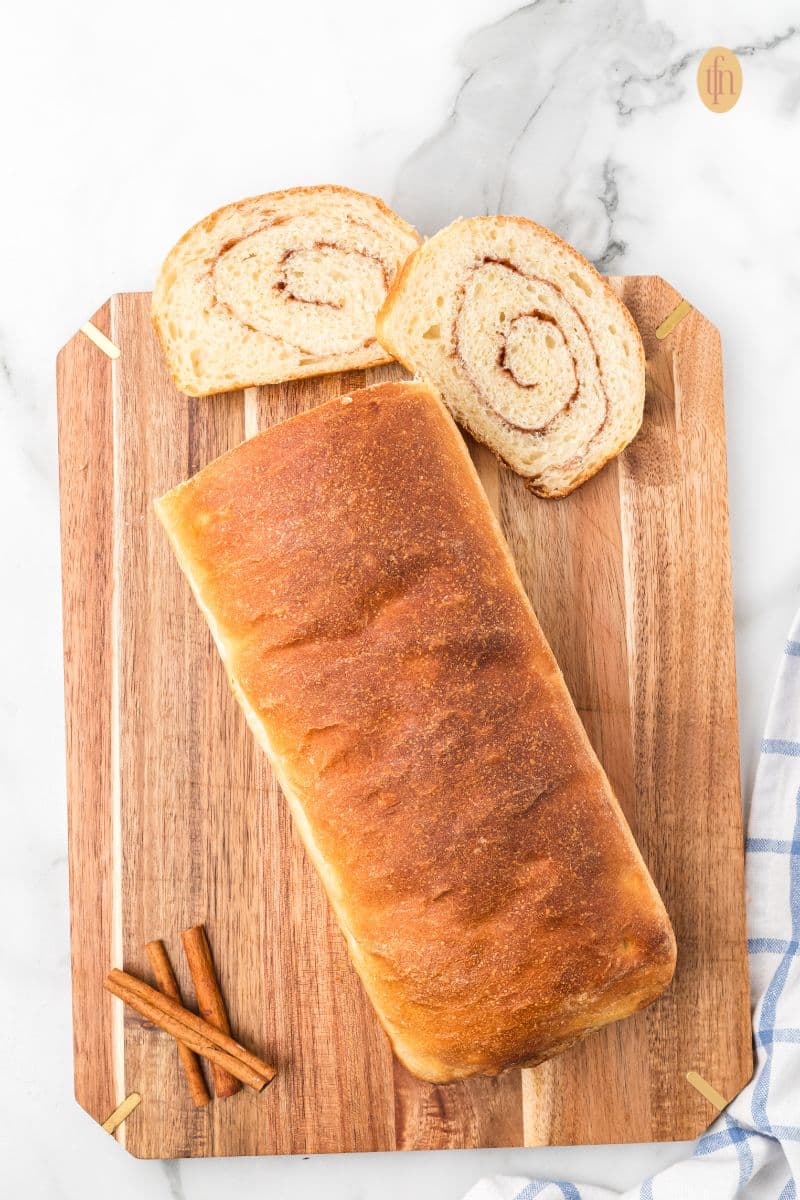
(122, 126)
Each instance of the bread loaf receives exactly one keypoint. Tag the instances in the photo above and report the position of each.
(530, 348)
(377, 636)
(277, 287)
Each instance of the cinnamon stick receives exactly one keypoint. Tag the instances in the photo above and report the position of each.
(185, 1026)
(168, 984)
(209, 999)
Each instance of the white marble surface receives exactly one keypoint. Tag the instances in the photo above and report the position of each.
(123, 125)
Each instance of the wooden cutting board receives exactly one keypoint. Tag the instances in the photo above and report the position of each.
(174, 817)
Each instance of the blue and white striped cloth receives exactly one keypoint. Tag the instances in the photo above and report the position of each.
(753, 1149)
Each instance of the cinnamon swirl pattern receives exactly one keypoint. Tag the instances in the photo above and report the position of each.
(277, 287)
(530, 348)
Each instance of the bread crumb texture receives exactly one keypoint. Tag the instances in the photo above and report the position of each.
(278, 287)
(529, 346)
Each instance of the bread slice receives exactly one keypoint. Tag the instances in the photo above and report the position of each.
(530, 348)
(277, 287)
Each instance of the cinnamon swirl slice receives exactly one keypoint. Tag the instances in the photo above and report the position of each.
(277, 287)
(530, 348)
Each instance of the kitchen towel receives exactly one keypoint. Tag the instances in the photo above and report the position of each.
(753, 1149)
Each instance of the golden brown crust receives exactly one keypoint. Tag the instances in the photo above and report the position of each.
(372, 622)
(395, 295)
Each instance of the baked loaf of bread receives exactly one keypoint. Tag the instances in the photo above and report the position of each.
(376, 634)
(277, 287)
(530, 348)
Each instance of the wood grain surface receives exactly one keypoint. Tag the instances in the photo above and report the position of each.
(174, 817)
